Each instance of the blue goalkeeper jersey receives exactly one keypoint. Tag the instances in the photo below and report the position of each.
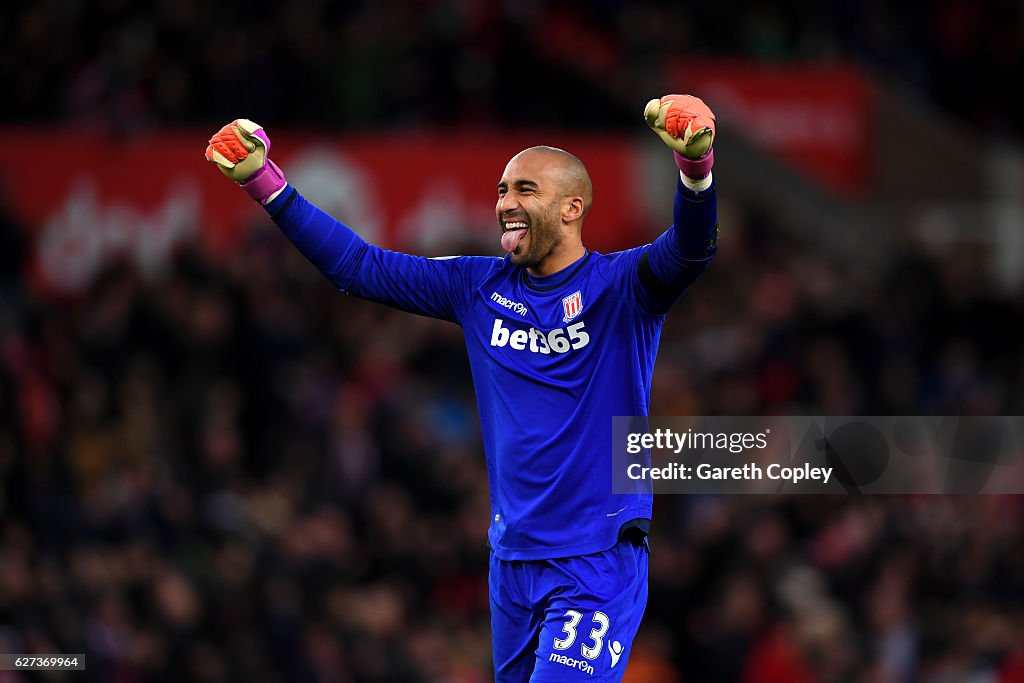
(553, 359)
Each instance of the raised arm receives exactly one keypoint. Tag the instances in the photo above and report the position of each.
(685, 250)
(438, 288)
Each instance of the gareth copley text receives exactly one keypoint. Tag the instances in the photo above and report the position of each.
(747, 472)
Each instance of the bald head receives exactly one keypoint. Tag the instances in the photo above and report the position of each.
(566, 170)
(543, 196)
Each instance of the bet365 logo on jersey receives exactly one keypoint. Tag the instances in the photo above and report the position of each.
(558, 340)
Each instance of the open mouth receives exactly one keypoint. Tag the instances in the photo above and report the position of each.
(512, 234)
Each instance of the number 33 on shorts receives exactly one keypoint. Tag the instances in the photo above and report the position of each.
(593, 609)
(588, 647)
(593, 651)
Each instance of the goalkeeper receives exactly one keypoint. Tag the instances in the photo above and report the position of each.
(560, 339)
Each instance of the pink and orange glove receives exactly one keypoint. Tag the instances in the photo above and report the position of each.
(687, 126)
(240, 151)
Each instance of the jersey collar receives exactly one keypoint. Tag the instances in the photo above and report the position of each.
(546, 283)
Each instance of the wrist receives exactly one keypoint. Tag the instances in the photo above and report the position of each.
(696, 185)
(266, 183)
(695, 169)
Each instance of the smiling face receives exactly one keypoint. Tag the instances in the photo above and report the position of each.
(542, 198)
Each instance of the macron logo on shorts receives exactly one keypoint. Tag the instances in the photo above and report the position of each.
(572, 663)
(615, 650)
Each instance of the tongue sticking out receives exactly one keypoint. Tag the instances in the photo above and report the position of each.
(510, 239)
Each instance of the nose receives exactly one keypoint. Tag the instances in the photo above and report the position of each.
(506, 202)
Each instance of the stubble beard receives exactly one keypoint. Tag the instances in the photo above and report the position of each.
(544, 238)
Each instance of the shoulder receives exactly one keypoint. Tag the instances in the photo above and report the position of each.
(475, 265)
(618, 263)
(626, 255)
(470, 261)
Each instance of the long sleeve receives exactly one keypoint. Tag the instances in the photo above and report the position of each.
(434, 287)
(680, 254)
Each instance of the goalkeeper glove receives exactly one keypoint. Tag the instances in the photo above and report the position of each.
(686, 125)
(240, 151)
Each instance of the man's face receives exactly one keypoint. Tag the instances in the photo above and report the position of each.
(529, 209)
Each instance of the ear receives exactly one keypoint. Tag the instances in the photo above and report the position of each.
(572, 209)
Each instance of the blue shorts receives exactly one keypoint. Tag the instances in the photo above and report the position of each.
(569, 619)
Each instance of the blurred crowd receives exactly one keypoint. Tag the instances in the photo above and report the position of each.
(237, 473)
(121, 64)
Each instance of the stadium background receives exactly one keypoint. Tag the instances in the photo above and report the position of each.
(213, 467)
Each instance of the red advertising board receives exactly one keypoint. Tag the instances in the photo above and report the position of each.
(88, 200)
(816, 117)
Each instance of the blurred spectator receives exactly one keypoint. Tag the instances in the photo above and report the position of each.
(121, 65)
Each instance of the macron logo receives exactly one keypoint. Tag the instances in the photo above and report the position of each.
(571, 663)
(615, 650)
(513, 306)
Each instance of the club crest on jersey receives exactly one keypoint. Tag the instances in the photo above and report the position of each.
(572, 305)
